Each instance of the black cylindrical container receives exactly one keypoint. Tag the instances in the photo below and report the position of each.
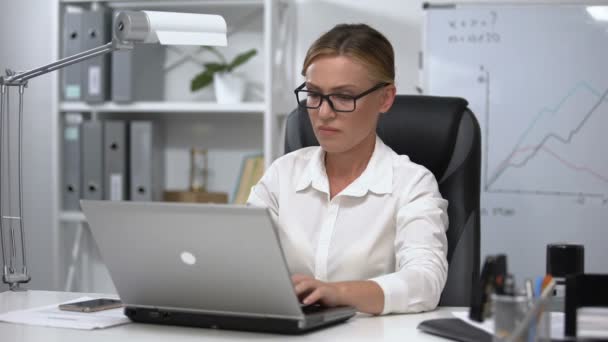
(564, 259)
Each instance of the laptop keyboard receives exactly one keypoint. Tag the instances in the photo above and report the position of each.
(313, 308)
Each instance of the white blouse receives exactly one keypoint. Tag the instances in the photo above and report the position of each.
(387, 226)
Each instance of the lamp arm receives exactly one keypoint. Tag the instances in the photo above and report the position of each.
(23, 77)
(10, 273)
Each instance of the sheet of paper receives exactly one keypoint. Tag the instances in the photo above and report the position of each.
(51, 316)
(557, 323)
(592, 322)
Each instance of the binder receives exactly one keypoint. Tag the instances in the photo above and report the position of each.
(122, 76)
(115, 160)
(71, 177)
(92, 160)
(138, 74)
(121, 73)
(252, 170)
(96, 29)
(146, 161)
(71, 82)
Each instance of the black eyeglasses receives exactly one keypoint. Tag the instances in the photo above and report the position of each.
(338, 102)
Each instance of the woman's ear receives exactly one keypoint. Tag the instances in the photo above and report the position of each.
(388, 97)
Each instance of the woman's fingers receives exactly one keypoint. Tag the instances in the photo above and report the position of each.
(305, 286)
(311, 290)
(314, 297)
(297, 278)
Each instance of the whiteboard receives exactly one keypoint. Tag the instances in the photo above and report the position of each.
(536, 77)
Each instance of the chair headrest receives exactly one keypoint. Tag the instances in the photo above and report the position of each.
(423, 127)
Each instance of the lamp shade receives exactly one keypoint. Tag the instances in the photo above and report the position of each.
(170, 28)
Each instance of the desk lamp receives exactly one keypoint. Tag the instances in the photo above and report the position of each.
(129, 28)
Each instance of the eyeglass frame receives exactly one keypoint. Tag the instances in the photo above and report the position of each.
(331, 104)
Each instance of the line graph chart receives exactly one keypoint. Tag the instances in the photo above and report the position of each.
(530, 145)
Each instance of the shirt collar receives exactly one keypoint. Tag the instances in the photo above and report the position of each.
(315, 174)
(377, 176)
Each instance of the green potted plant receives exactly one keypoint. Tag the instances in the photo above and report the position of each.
(229, 87)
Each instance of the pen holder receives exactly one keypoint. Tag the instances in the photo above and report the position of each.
(509, 313)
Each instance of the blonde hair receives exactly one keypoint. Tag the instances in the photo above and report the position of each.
(359, 42)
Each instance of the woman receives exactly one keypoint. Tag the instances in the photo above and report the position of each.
(359, 224)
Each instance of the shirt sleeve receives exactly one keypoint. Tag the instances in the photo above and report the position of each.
(266, 192)
(420, 250)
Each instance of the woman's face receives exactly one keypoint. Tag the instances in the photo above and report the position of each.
(341, 132)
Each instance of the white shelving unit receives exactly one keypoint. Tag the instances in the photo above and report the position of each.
(165, 107)
(276, 19)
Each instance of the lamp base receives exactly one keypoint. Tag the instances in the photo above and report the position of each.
(16, 288)
(14, 281)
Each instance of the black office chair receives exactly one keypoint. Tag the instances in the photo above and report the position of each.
(442, 134)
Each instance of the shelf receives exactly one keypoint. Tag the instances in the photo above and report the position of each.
(167, 3)
(71, 216)
(187, 120)
(164, 107)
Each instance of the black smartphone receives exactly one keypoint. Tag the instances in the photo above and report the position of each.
(92, 305)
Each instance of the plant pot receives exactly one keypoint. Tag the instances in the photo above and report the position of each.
(229, 87)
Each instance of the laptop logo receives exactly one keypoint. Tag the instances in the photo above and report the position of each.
(188, 258)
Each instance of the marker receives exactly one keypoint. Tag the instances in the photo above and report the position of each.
(538, 286)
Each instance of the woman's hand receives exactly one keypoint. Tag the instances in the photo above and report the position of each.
(311, 290)
(365, 295)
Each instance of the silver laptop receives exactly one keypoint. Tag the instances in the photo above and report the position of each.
(202, 265)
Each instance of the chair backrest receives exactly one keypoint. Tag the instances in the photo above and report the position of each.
(443, 135)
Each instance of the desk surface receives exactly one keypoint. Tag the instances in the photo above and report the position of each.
(361, 327)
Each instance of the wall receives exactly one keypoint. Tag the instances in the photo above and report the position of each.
(401, 21)
(28, 40)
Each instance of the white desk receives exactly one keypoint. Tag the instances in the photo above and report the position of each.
(361, 327)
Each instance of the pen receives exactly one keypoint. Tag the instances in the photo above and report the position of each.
(509, 285)
(530, 296)
(529, 291)
(548, 278)
(538, 286)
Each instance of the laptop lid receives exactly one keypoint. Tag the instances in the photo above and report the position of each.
(223, 259)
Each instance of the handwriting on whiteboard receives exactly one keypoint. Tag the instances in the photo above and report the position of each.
(474, 30)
